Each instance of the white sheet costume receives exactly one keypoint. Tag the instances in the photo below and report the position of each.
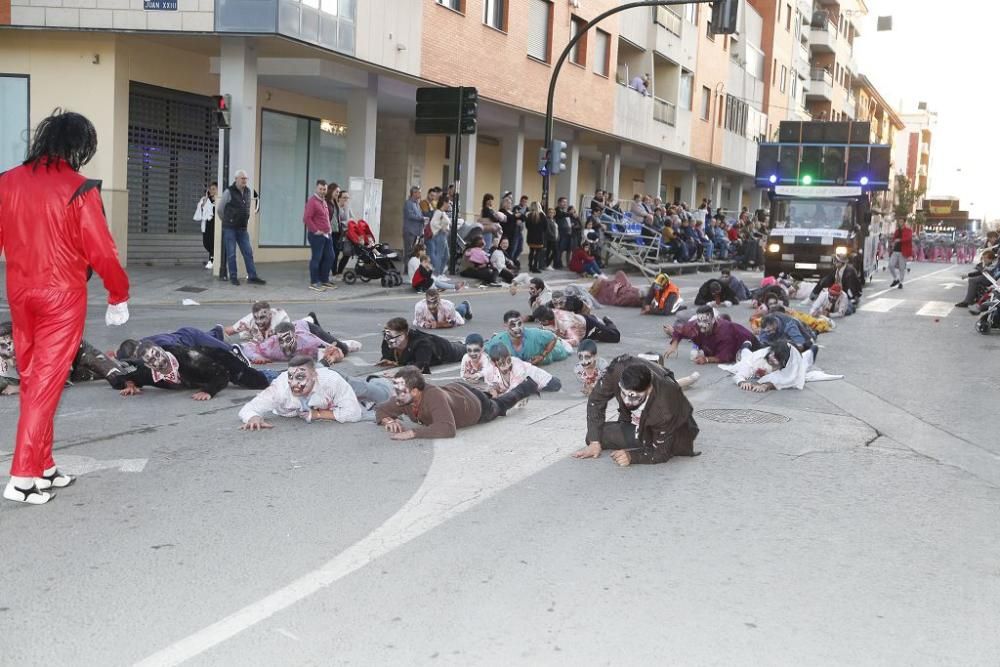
(331, 392)
(754, 367)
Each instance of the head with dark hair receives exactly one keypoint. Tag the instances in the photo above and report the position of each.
(474, 346)
(634, 385)
(63, 135)
(287, 340)
(155, 357)
(407, 384)
(536, 286)
(515, 324)
(7, 340)
(770, 325)
(778, 353)
(500, 356)
(127, 349)
(301, 375)
(715, 287)
(544, 315)
(396, 332)
(487, 200)
(586, 353)
(261, 312)
(442, 202)
(704, 318)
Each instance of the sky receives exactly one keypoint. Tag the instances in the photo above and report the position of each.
(944, 53)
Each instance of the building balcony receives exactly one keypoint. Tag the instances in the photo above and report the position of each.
(634, 27)
(851, 107)
(800, 61)
(665, 112)
(823, 38)
(667, 18)
(652, 121)
(820, 85)
(806, 7)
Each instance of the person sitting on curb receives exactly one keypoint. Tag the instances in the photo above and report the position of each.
(536, 346)
(655, 420)
(404, 346)
(439, 411)
(306, 392)
(433, 312)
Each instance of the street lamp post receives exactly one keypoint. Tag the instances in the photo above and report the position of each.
(565, 53)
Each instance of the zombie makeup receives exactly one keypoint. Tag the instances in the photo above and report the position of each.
(287, 342)
(587, 359)
(533, 291)
(401, 391)
(474, 351)
(158, 360)
(433, 300)
(515, 326)
(632, 399)
(332, 355)
(262, 318)
(773, 305)
(504, 364)
(301, 380)
(394, 339)
(773, 362)
(704, 322)
(6, 347)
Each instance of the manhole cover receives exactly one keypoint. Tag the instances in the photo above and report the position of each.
(191, 289)
(743, 416)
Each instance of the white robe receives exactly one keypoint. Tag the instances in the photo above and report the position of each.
(753, 366)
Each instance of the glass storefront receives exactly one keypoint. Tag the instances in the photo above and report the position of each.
(295, 152)
(13, 120)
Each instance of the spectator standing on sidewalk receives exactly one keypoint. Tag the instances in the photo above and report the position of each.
(332, 195)
(413, 221)
(205, 214)
(236, 204)
(316, 218)
(565, 227)
(902, 248)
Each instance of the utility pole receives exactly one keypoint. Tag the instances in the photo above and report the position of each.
(724, 14)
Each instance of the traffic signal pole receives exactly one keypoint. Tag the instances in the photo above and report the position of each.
(565, 54)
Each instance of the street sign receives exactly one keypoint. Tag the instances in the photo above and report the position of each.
(447, 110)
(445, 126)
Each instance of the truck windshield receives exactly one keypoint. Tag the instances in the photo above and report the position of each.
(814, 214)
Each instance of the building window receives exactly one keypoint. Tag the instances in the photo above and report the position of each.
(691, 13)
(602, 53)
(540, 30)
(708, 31)
(706, 102)
(495, 14)
(779, 12)
(737, 112)
(788, 18)
(687, 90)
(457, 5)
(784, 77)
(579, 53)
(14, 128)
(294, 152)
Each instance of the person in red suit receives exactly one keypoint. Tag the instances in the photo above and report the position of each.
(52, 232)
(902, 250)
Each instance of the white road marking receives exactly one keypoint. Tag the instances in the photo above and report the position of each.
(950, 285)
(81, 465)
(282, 631)
(464, 473)
(928, 275)
(880, 305)
(936, 309)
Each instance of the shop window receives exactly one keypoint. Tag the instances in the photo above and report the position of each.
(14, 128)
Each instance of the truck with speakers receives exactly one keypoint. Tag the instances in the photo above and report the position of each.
(819, 177)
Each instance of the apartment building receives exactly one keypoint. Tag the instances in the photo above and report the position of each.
(787, 68)
(326, 89)
(833, 67)
(916, 145)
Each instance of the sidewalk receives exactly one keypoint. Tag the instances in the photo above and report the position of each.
(287, 282)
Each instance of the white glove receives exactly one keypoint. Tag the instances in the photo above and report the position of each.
(117, 314)
(727, 303)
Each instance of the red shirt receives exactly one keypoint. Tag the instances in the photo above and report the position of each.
(316, 216)
(904, 235)
(52, 227)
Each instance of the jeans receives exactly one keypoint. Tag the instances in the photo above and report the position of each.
(463, 309)
(188, 337)
(335, 244)
(487, 241)
(437, 249)
(321, 261)
(591, 268)
(232, 237)
(517, 246)
(564, 249)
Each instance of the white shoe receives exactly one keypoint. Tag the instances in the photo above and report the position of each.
(208, 264)
(57, 480)
(352, 345)
(30, 496)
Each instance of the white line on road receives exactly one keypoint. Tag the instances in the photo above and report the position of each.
(464, 473)
(81, 465)
(880, 305)
(928, 275)
(936, 309)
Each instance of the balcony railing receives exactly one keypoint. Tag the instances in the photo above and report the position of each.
(820, 74)
(668, 19)
(664, 111)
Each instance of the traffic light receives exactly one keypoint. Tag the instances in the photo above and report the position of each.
(557, 156)
(543, 161)
(447, 110)
(223, 104)
(725, 17)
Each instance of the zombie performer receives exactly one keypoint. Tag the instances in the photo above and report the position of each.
(832, 302)
(663, 298)
(574, 328)
(438, 412)
(371, 392)
(738, 287)
(538, 295)
(52, 230)
(475, 362)
(779, 325)
(718, 340)
(207, 370)
(506, 372)
(775, 367)
(10, 381)
(404, 346)
(655, 421)
(259, 323)
(843, 274)
(294, 338)
(591, 367)
(536, 346)
(306, 392)
(716, 293)
(433, 312)
(819, 324)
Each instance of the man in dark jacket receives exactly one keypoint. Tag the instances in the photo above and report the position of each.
(655, 421)
(403, 346)
(236, 204)
(717, 293)
(844, 274)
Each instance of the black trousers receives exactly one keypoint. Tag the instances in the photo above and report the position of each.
(602, 332)
(535, 258)
(208, 239)
(618, 435)
(326, 336)
(498, 407)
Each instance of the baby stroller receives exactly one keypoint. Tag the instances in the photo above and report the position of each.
(372, 260)
(989, 317)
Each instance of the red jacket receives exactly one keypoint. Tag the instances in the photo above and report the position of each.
(578, 259)
(52, 227)
(359, 232)
(905, 236)
(316, 216)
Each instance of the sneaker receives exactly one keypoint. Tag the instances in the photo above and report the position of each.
(352, 345)
(899, 286)
(496, 284)
(31, 496)
(468, 310)
(312, 315)
(234, 281)
(256, 281)
(894, 283)
(316, 287)
(962, 304)
(208, 264)
(56, 480)
(238, 353)
(330, 285)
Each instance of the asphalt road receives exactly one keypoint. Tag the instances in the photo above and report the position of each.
(857, 526)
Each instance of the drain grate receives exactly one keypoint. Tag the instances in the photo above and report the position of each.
(191, 289)
(743, 416)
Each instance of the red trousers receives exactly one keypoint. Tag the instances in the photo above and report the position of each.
(48, 327)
